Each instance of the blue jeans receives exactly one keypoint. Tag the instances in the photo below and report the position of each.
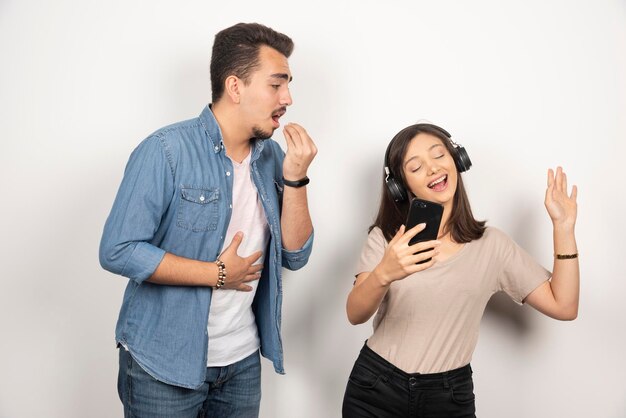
(377, 389)
(229, 391)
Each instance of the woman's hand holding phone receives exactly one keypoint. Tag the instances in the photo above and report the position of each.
(401, 259)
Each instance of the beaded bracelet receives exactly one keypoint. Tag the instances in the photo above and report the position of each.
(221, 273)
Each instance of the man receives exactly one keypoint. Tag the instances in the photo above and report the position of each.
(208, 211)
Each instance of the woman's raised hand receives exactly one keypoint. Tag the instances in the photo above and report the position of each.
(561, 207)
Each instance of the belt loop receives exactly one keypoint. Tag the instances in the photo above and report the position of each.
(387, 373)
(446, 383)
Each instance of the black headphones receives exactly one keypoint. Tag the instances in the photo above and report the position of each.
(461, 160)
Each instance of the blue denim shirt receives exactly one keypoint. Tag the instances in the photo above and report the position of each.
(176, 197)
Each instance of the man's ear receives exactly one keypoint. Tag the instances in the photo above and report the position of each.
(232, 86)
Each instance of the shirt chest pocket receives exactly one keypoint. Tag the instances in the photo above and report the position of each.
(198, 210)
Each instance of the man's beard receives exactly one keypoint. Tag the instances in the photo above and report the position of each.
(261, 134)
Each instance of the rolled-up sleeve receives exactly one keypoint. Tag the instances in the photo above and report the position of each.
(143, 197)
(296, 259)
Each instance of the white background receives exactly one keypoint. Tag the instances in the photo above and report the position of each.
(524, 85)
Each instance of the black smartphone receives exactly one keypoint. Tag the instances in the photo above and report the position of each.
(424, 211)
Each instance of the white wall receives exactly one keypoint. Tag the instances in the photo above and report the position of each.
(523, 85)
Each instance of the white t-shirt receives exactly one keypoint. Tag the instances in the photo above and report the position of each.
(232, 328)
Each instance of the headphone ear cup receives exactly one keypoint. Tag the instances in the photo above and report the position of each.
(398, 194)
(462, 160)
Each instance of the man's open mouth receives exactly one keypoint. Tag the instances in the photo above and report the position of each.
(278, 114)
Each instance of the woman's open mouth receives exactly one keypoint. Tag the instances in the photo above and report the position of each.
(439, 184)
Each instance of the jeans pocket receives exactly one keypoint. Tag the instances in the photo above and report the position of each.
(198, 210)
(463, 392)
(363, 377)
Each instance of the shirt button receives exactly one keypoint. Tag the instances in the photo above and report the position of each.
(202, 198)
(228, 173)
(231, 206)
(217, 148)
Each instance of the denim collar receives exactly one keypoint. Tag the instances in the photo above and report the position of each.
(212, 129)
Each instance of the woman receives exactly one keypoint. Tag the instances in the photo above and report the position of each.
(416, 363)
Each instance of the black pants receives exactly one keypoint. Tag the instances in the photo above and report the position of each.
(376, 388)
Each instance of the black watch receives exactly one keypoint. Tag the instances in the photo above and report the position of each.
(298, 183)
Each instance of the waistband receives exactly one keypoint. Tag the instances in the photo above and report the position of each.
(371, 355)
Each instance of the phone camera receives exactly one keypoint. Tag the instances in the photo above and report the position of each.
(422, 205)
